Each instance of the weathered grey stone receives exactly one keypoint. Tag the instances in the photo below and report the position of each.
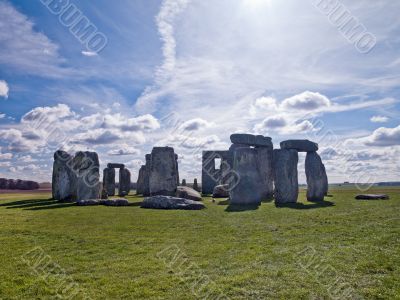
(115, 202)
(325, 181)
(146, 182)
(285, 176)
(187, 193)
(168, 202)
(221, 191)
(235, 146)
(64, 178)
(300, 145)
(163, 172)
(372, 197)
(109, 180)
(115, 166)
(124, 182)
(315, 173)
(265, 159)
(248, 190)
(177, 169)
(212, 176)
(196, 185)
(88, 202)
(183, 182)
(140, 181)
(251, 140)
(88, 185)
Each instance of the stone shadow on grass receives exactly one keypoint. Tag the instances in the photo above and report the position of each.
(36, 204)
(239, 208)
(299, 205)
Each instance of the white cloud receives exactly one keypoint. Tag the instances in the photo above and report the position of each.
(383, 137)
(145, 122)
(5, 156)
(195, 124)
(124, 150)
(4, 89)
(306, 101)
(23, 48)
(89, 53)
(379, 119)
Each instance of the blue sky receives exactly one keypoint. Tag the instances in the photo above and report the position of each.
(188, 73)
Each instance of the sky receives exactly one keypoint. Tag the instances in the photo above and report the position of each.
(188, 73)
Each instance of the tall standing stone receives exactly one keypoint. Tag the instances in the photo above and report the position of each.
(124, 182)
(285, 176)
(315, 173)
(177, 168)
(183, 182)
(109, 180)
(265, 165)
(196, 185)
(64, 178)
(326, 183)
(140, 181)
(86, 164)
(163, 172)
(248, 189)
(146, 181)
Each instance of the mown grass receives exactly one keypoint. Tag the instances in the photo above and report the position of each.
(306, 251)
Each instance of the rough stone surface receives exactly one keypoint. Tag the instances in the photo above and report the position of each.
(265, 165)
(163, 172)
(64, 178)
(104, 194)
(212, 176)
(221, 191)
(177, 169)
(196, 185)
(88, 185)
(285, 176)
(372, 197)
(140, 181)
(315, 173)
(300, 145)
(109, 181)
(187, 193)
(248, 190)
(325, 181)
(146, 184)
(88, 202)
(115, 166)
(115, 202)
(251, 140)
(124, 182)
(168, 202)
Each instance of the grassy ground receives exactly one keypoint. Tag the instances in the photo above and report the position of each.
(343, 248)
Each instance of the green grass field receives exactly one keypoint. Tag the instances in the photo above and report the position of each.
(344, 249)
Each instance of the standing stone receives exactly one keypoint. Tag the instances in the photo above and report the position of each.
(177, 168)
(211, 175)
(64, 177)
(163, 172)
(109, 180)
(285, 176)
(146, 181)
(88, 186)
(326, 183)
(315, 173)
(124, 182)
(196, 185)
(115, 166)
(265, 165)
(183, 182)
(140, 181)
(248, 190)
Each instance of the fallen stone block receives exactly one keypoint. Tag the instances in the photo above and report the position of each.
(168, 202)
